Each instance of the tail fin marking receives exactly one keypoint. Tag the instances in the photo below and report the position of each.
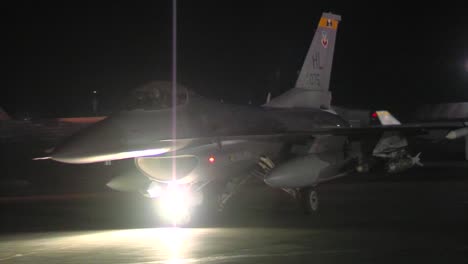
(311, 89)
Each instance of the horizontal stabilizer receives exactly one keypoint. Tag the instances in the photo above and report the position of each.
(387, 119)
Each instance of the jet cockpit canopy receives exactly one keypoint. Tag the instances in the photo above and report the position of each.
(157, 95)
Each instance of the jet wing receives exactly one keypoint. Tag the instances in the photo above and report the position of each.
(163, 147)
(410, 129)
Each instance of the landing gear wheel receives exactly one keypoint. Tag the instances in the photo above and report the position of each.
(309, 200)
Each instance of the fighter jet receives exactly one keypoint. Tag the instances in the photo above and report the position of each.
(182, 141)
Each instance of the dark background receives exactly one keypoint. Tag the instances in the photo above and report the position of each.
(388, 53)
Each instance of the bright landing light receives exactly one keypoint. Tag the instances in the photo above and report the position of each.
(175, 203)
(155, 190)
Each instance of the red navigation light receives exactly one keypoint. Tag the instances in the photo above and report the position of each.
(211, 159)
(374, 115)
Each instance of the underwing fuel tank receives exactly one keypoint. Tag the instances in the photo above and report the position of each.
(306, 171)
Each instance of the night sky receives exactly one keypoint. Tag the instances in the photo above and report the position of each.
(387, 53)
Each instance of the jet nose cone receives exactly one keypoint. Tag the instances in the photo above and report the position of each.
(83, 147)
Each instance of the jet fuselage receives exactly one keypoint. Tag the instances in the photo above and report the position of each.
(130, 133)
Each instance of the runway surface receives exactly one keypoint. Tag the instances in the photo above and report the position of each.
(230, 245)
(417, 217)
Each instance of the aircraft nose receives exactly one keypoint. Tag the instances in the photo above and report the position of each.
(91, 144)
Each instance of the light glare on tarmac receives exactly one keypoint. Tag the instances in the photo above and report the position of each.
(153, 245)
(167, 245)
(221, 245)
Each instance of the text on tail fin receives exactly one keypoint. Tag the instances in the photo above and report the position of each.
(312, 85)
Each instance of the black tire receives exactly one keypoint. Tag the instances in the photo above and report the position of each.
(309, 200)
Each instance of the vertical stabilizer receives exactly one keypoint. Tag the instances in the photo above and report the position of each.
(312, 86)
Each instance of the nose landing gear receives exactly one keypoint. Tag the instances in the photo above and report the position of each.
(309, 200)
